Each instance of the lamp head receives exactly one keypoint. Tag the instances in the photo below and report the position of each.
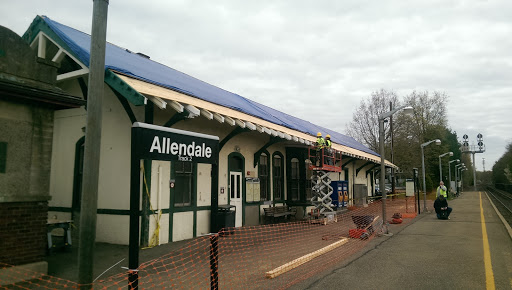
(438, 142)
(408, 110)
(451, 153)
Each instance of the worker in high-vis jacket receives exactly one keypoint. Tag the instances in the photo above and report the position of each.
(441, 190)
(328, 150)
(319, 145)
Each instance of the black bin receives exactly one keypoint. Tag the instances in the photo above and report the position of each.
(226, 216)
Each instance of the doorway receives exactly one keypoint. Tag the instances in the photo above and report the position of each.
(235, 195)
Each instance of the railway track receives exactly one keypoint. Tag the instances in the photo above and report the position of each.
(503, 202)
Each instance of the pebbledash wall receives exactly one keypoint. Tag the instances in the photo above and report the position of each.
(27, 132)
(28, 98)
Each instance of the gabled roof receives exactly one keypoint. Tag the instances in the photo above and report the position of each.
(142, 68)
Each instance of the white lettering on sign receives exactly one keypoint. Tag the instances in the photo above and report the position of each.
(184, 151)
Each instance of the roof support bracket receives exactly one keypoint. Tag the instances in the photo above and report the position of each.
(125, 104)
(361, 167)
(273, 140)
(348, 162)
(369, 171)
(124, 89)
(236, 131)
(176, 118)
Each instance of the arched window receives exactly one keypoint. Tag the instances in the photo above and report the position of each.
(309, 184)
(263, 172)
(78, 177)
(294, 180)
(278, 176)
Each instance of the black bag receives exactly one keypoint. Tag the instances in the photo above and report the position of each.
(443, 215)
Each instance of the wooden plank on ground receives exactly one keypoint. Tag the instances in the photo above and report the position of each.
(306, 258)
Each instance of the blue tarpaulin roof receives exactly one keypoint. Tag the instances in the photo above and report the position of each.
(139, 67)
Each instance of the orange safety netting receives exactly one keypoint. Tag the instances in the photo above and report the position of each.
(276, 255)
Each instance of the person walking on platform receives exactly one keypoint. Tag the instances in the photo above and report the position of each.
(328, 149)
(441, 190)
(441, 206)
(320, 144)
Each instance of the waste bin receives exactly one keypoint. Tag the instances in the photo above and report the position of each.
(226, 216)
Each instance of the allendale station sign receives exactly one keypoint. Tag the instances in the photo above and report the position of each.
(167, 144)
(162, 143)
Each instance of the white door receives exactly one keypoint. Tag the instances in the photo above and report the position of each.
(235, 195)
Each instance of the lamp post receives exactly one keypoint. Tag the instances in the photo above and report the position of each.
(407, 110)
(440, 167)
(438, 142)
(450, 172)
(457, 166)
(461, 182)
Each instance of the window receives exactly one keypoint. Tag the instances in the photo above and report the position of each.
(277, 177)
(3, 156)
(295, 179)
(79, 174)
(263, 176)
(183, 184)
(309, 183)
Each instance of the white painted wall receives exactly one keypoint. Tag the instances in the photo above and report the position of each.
(160, 199)
(203, 222)
(183, 226)
(204, 184)
(68, 126)
(113, 229)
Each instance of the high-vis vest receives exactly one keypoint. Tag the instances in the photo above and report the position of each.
(441, 191)
(320, 142)
(328, 143)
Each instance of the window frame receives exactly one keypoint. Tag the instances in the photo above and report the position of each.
(264, 179)
(178, 173)
(278, 176)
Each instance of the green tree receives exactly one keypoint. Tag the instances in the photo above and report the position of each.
(502, 169)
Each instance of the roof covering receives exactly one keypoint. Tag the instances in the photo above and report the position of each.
(142, 68)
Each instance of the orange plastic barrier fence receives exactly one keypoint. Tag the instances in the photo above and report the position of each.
(273, 256)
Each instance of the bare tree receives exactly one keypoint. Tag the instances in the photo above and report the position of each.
(428, 121)
(364, 126)
(429, 111)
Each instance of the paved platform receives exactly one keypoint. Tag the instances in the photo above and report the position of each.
(472, 250)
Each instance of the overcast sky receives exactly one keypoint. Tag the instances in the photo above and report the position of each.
(317, 60)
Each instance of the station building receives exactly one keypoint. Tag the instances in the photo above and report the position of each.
(263, 153)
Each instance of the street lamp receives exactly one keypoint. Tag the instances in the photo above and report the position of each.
(407, 110)
(461, 182)
(450, 172)
(440, 167)
(457, 167)
(438, 142)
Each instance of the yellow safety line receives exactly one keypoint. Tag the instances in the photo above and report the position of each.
(489, 275)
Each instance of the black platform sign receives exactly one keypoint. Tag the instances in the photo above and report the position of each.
(162, 143)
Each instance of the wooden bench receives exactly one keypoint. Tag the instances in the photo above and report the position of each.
(279, 211)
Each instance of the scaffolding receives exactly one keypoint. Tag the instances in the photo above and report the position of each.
(323, 161)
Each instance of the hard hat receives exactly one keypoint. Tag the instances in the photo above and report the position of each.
(319, 134)
(328, 136)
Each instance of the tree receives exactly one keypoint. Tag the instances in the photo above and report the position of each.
(429, 121)
(429, 111)
(502, 169)
(364, 126)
